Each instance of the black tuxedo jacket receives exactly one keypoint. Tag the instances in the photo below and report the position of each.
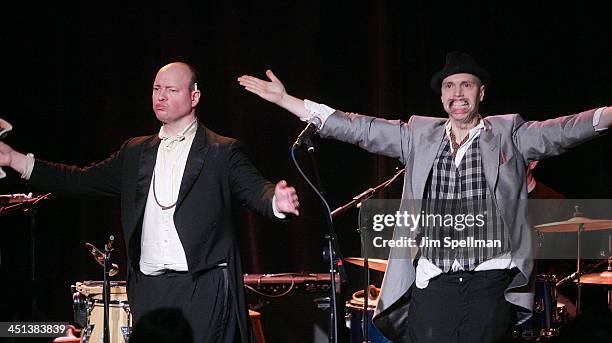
(216, 170)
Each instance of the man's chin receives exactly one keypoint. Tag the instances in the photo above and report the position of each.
(459, 116)
(161, 116)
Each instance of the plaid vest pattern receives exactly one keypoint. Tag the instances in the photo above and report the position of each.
(461, 198)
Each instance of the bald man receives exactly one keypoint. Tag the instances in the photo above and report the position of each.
(175, 188)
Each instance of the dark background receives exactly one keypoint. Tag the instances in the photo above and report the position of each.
(76, 82)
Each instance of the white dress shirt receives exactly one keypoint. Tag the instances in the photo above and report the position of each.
(160, 246)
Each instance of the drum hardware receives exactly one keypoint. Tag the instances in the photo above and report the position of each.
(357, 201)
(373, 263)
(354, 317)
(90, 295)
(578, 223)
(548, 317)
(99, 257)
(110, 269)
(604, 278)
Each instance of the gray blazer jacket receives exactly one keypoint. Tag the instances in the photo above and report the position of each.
(508, 144)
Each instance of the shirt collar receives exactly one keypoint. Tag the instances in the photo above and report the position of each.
(188, 131)
(472, 131)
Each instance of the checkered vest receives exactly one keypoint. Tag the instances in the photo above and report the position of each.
(456, 192)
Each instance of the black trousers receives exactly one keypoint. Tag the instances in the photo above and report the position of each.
(204, 300)
(462, 307)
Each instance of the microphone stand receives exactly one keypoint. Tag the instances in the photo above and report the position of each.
(356, 201)
(311, 149)
(29, 205)
(108, 247)
(333, 249)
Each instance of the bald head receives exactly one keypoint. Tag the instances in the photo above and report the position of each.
(183, 68)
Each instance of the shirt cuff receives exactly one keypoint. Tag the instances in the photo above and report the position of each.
(29, 166)
(320, 111)
(596, 118)
(278, 214)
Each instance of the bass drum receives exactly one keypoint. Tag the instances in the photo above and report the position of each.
(548, 316)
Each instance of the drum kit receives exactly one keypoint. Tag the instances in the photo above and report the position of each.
(88, 307)
(354, 317)
(94, 317)
(355, 306)
(549, 315)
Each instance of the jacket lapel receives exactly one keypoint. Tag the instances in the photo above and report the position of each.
(428, 146)
(489, 150)
(145, 173)
(195, 162)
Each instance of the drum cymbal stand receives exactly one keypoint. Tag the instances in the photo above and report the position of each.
(577, 213)
(357, 202)
(108, 247)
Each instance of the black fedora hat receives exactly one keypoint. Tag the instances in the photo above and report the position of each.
(458, 62)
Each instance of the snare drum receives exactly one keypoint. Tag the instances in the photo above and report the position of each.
(90, 294)
(548, 316)
(354, 315)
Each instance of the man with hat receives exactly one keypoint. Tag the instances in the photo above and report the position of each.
(468, 294)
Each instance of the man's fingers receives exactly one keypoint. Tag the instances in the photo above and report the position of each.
(254, 90)
(271, 76)
(251, 83)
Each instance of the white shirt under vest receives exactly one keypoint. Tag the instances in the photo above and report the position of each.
(161, 248)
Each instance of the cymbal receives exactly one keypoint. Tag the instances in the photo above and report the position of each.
(604, 278)
(572, 225)
(373, 263)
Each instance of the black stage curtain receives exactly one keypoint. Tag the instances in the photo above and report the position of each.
(76, 82)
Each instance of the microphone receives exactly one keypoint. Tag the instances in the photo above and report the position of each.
(99, 257)
(312, 127)
(309, 144)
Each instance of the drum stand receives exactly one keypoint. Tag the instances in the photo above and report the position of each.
(108, 247)
(357, 201)
(578, 283)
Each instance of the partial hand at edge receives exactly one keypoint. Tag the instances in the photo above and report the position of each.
(11, 158)
(273, 91)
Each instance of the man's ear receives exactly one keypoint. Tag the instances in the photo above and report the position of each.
(195, 97)
(482, 92)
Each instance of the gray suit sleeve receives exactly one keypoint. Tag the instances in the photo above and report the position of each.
(376, 135)
(538, 140)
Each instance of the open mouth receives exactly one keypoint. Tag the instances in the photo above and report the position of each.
(458, 105)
